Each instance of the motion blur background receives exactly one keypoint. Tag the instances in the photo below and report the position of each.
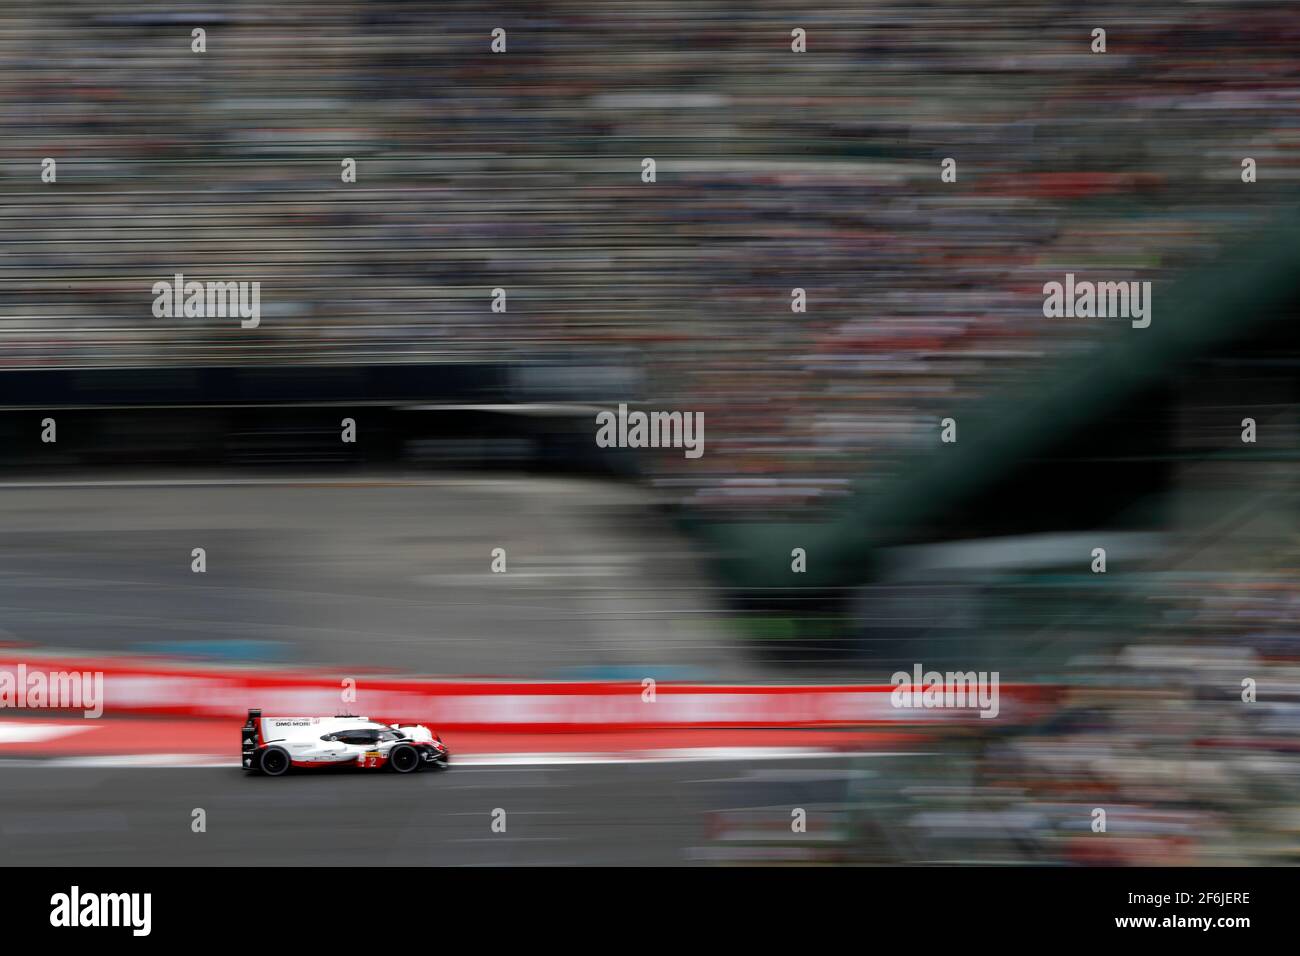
(775, 171)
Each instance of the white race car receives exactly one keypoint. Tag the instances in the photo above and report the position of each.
(275, 745)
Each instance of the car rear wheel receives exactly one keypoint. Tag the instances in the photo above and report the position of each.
(404, 759)
(274, 761)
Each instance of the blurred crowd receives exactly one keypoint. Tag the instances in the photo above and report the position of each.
(522, 170)
(1179, 749)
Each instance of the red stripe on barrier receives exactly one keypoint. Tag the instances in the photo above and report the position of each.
(144, 686)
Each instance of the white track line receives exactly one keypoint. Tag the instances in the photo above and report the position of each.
(30, 731)
(470, 761)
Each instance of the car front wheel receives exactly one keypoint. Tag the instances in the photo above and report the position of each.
(404, 759)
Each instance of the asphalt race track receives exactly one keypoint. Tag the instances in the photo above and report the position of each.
(386, 571)
(598, 814)
(380, 570)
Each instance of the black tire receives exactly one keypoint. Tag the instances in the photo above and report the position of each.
(274, 762)
(404, 759)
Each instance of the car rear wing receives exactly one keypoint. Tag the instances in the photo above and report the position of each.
(249, 737)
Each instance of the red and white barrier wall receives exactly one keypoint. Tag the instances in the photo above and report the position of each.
(141, 686)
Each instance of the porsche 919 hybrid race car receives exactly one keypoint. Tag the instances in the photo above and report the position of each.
(274, 745)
